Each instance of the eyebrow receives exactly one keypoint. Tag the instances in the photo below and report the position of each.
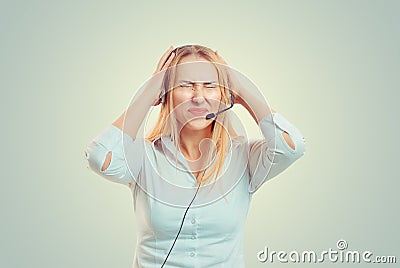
(191, 82)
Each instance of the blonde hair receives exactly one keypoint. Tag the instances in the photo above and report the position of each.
(167, 124)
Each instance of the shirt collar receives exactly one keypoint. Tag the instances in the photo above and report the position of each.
(166, 146)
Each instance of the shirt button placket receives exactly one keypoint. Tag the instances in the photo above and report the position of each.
(193, 237)
(193, 221)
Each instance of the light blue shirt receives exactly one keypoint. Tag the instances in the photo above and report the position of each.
(212, 233)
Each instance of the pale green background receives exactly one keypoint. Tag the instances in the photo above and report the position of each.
(69, 68)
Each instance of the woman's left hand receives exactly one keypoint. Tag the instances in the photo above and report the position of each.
(234, 82)
(236, 86)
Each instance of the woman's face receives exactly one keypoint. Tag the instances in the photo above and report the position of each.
(196, 92)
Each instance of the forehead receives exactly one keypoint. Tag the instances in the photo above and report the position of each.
(196, 70)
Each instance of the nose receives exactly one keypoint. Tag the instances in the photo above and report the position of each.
(198, 94)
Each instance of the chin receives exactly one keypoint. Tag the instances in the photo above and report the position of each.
(198, 124)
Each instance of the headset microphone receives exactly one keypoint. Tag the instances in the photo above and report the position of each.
(212, 115)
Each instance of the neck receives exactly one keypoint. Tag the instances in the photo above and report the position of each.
(190, 141)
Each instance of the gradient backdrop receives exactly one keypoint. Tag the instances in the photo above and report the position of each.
(69, 68)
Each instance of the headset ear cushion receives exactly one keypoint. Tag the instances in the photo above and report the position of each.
(164, 96)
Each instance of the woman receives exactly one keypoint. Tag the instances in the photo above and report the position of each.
(194, 145)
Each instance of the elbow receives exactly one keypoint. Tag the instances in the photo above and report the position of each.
(288, 140)
(295, 145)
(302, 143)
(299, 149)
(107, 162)
(285, 152)
(90, 162)
(95, 156)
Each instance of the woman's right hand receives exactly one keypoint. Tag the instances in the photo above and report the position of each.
(165, 60)
(163, 64)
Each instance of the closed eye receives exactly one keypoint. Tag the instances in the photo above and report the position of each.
(185, 84)
(211, 85)
(205, 84)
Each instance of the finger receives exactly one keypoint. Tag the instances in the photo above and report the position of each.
(164, 57)
(157, 102)
(219, 56)
(168, 62)
(166, 54)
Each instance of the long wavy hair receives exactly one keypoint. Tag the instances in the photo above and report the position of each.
(221, 130)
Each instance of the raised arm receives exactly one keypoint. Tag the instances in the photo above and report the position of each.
(148, 97)
(282, 144)
(271, 155)
(106, 154)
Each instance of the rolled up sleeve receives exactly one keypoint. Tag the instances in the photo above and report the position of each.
(270, 156)
(117, 142)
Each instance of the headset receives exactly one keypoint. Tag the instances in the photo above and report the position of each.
(208, 116)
